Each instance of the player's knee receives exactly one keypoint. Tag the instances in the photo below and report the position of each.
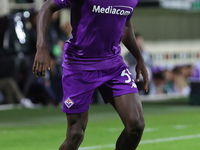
(136, 126)
(76, 135)
(74, 139)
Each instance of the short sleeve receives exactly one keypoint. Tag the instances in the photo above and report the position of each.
(134, 5)
(62, 3)
(129, 16)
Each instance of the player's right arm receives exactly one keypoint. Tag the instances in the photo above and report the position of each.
(42, 57)
(129, 41)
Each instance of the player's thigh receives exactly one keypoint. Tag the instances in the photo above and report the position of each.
(129, 108)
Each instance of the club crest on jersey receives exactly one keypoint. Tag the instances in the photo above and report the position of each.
(69, 103)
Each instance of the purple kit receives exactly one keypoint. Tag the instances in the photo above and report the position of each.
(79, 86)
(97, 28)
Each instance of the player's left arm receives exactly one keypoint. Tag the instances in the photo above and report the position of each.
(128, 39)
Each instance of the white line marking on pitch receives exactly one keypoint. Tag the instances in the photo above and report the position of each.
(97, 147)
(180, 126)
(178, 138)
(150, 129)
(119, 129)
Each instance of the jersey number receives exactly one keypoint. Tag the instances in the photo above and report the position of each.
(127, 73)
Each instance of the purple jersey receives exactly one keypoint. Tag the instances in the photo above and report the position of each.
(97, 28)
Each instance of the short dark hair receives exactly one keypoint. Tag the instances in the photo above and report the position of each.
(176, 70)
(158, 76)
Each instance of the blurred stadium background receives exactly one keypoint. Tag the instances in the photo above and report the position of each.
(171, 30)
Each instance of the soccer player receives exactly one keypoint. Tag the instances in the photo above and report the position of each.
(91, 59)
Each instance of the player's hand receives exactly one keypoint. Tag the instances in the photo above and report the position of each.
(141, 69)
(41, 62)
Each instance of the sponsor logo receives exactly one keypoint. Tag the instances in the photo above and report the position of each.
(69, 103)
(115, 10)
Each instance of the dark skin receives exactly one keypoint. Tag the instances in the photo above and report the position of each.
(127, 106)
(42, 56)
(128, 39)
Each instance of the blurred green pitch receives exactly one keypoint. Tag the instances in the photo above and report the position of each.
(171, 125)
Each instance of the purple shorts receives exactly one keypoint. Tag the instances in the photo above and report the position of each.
(79, 86)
